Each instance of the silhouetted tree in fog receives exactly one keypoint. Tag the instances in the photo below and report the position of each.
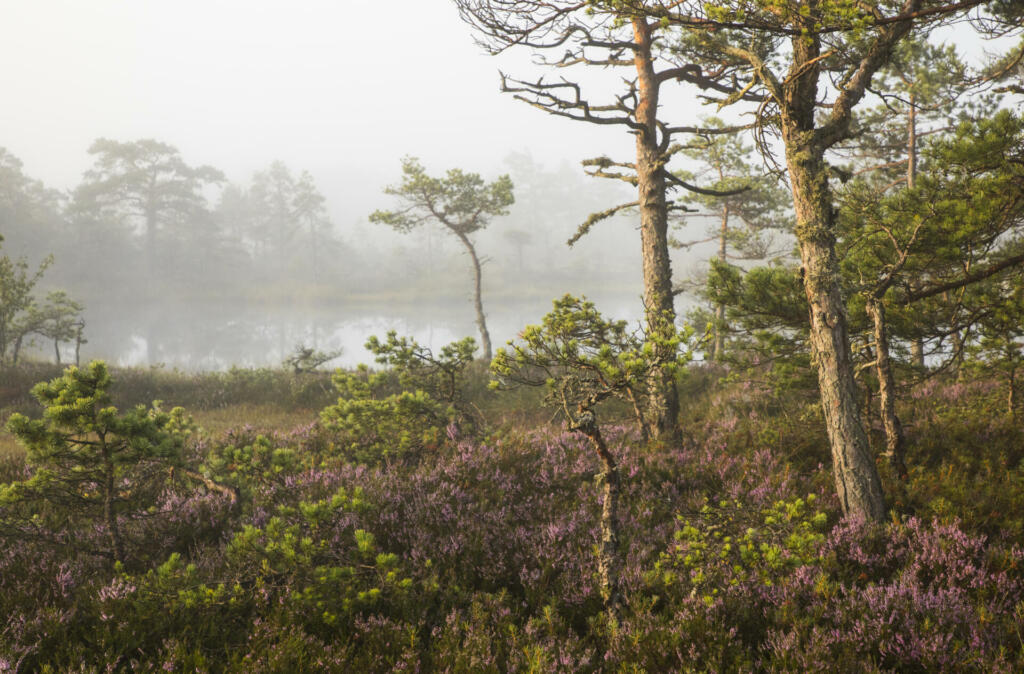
(462, 202)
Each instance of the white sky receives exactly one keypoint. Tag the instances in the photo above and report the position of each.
(342, 88)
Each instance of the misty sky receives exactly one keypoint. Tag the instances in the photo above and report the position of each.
(342, 89)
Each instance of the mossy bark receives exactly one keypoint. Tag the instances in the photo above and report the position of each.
(856, 476)
(609, 560)
(895, 441)
(660, 314)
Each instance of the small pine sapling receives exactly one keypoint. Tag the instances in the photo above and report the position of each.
(584, 359)
(89, 463)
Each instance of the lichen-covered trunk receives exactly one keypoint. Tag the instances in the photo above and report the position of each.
(854, 471)
(917, 352)
(478, 302)
(659, 307)
(895, 440)
(609, 562)
(723, 238)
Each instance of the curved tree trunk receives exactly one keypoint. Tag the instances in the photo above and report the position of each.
(481, 322)
(609, 562)
(663, 405)
(895, 440)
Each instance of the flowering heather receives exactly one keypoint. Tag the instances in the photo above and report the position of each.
(479, 555)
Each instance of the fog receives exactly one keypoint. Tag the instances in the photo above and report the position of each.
(342, 91)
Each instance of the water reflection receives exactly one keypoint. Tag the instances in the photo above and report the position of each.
(215, 335)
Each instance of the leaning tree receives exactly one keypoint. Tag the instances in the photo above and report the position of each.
(462, 203)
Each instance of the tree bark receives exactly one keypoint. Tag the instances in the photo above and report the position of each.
(895, 440)
(719, 344)
(609, 562)
(16, 351)
(478, 303)
(917, 352)
(856, 476)
(1011, 395)
(663, 398)
(114, 532)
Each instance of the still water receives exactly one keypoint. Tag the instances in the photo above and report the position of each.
(216, 335)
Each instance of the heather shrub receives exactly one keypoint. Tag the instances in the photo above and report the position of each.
(965, 457)
(483, 557)
(308, 572)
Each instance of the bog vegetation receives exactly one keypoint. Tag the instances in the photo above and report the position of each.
(819, 468)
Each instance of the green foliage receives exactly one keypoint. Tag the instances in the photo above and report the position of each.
(460, 201)
(16, 303)
(766, 309)
(583, 359)
(379, 425)
(250, 465)
(300, 571)
(728, 544)
(443, 377)
(90, 463)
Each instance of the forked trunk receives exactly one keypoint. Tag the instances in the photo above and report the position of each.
(894, 437)
(663, 398)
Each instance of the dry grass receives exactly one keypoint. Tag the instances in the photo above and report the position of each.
(213, 422)
(9, 446)
(262, 417)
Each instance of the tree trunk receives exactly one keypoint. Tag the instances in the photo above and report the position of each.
(1011, 395)
(660, 315)
(56, 350)
(150, 280)
(719, 344)
(917, 344)
(478, 303)
(116, 543)
(854, 471)
(917, 352)
(609, 563)
(894, 438)
(641, 422)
